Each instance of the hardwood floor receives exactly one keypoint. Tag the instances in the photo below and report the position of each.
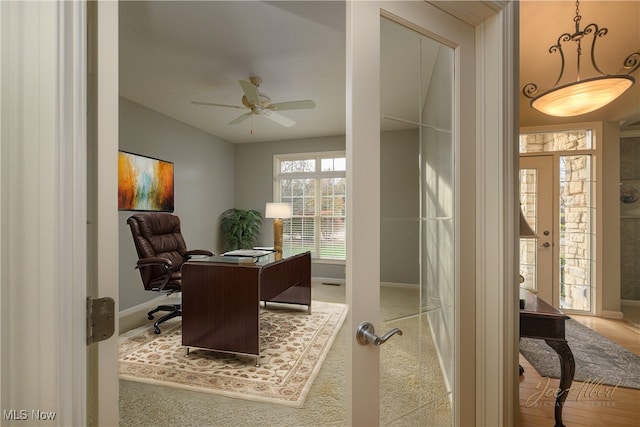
(618, 407)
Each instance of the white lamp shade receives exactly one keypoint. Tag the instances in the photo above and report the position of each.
(278, 210)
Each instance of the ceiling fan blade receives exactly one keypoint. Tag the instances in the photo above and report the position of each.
(250, 91)
(279, 118)
(293, 105)
(241, 118)
(218, 105)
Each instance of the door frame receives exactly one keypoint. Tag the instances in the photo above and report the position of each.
(605, 298)
(486, 387)
(102, 217)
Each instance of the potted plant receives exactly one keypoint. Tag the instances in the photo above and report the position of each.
(240, 228)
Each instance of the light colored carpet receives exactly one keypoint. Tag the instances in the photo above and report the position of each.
(293, 346)
(148, 405)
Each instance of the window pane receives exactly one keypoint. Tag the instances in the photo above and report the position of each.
(556, 141)
(296, 166)
(300, 193)
(575, 232)
(298, 236)
(332, 238)
(334, 164)
(332, 218)
(528, 246)
(333, 191)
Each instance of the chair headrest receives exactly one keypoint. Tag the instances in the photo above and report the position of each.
(156, 223)
(158, 234)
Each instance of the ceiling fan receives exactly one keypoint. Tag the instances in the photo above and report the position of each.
(260, 104)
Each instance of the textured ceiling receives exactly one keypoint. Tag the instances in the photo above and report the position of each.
(172, 53)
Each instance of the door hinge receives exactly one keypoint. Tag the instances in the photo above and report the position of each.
(100, 319)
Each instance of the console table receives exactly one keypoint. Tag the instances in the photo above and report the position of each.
(542, 321)
(221, 301)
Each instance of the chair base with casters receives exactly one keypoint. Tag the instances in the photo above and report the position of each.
(174, 310)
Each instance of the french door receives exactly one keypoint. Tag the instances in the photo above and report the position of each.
(446, 218)
(536, 201)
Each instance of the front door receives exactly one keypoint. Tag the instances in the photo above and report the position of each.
(536, 202)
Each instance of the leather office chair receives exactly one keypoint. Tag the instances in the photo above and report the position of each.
(161, 253)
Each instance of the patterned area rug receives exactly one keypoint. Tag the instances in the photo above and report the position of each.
(598, 360)
(293, 346)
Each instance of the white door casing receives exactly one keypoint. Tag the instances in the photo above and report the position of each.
(102, 217)
(43, 212)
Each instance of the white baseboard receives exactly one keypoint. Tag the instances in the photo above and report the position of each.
(399, 285)
(611, 314)
(630, 302)
(329, 280)
(136, 316)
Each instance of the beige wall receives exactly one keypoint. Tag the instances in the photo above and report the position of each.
(399, 207)
(610, 279)
(254, 183)
(399, 196)
(630, 222)
(204, 184)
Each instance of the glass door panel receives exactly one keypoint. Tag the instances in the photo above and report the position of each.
(576, 232)
(417, 227)
(536, 198)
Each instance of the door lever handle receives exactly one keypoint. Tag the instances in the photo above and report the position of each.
(365, 334)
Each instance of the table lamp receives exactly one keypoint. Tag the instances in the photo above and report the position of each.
(277, 211)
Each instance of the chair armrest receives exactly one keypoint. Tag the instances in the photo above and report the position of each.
(198, 252)
(160, 262)
(148, 262)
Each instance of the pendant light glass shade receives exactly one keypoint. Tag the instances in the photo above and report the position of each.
(582, 97)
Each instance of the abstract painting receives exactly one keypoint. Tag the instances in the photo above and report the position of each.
(144, 183)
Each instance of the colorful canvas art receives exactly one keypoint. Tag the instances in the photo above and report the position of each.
(144, 183)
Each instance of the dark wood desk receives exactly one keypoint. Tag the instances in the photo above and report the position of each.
(542, 321)
(221, 301)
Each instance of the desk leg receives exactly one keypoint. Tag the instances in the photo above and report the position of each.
(567, 371)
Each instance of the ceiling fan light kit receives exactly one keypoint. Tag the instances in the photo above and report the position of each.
(260, 104)
(583, 95)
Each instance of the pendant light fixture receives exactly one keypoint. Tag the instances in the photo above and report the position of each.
(583, 95)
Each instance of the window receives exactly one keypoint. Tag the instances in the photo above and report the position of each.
(568, 258)
(315, 185)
